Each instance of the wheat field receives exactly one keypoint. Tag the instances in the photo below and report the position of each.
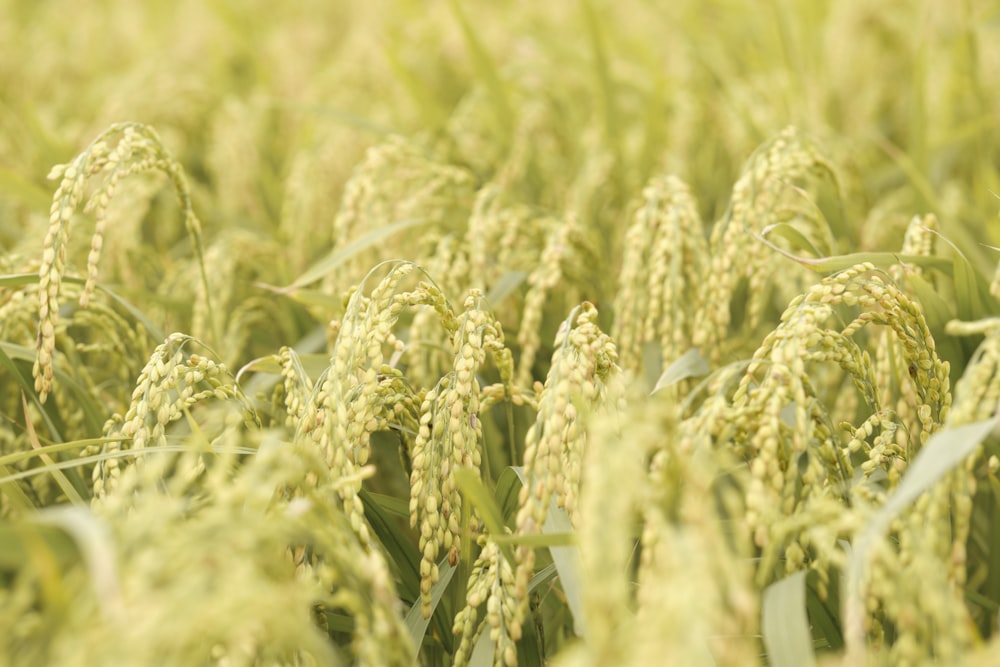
(467, 333)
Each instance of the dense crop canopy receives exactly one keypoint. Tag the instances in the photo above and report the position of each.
(574, 333)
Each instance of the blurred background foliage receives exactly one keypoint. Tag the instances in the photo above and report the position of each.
(255, 98)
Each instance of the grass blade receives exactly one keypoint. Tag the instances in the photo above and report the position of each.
(486, 69)
(341, 255)
(785, 625)
(946, 449)
(475, 491)
(690, 364)
(565, 559)
(415, 621)
(49, 414)
(70, 491)
(823, 613)
(96, 546)
(841, 262)
(19, 541)
(504, 287)
(396, 542)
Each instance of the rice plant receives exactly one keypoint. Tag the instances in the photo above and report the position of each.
(584, 333)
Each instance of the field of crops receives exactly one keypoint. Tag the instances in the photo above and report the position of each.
(582, 332)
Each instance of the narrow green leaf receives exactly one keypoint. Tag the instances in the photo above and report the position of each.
(918, 179)
(507, 491)
(529, 648)
(690, 364)
(312, 297)
(69, 490)
(474, 490)
(305, 348)
(122, 454)
(983, 601)
(536, 541)
(155, 332)
(482, 652)
(972, 290)
(20, 352)
(341, 255)
(336, 622)
(504, 287)
(94, 539)
(785, 625)
(23, 455)
(18, 279)
(792, 234)
(946, 449)
(403, 557)
(9, 352)
(16, 552)
(542, 576)
(969, 301)
(415, 621)
(485, 67)
(823, 613)
(991, 539)
(14, 493)
(938, 312)
(50, 414)
(313, 364)
(840, 262)
(396, 543)
(566, 560)
(652, 364)
(391, 505)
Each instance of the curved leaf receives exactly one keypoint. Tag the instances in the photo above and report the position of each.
(785, 624)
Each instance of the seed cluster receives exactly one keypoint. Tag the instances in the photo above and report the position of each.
(342, 413)
(978, 392)
(450, 439)
(295, 389)
(764, 195)
(755, 427)
(422, 189)
(583, 365)
(428, 352)
(800, 445)
(792, 447)
(546, 276)
(684, 540)
(120, 151)
(895, 374)
(499, 234)
(492, 582)
(172, 382)
(666, 257)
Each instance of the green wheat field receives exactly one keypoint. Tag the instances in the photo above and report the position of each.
(454, 332)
